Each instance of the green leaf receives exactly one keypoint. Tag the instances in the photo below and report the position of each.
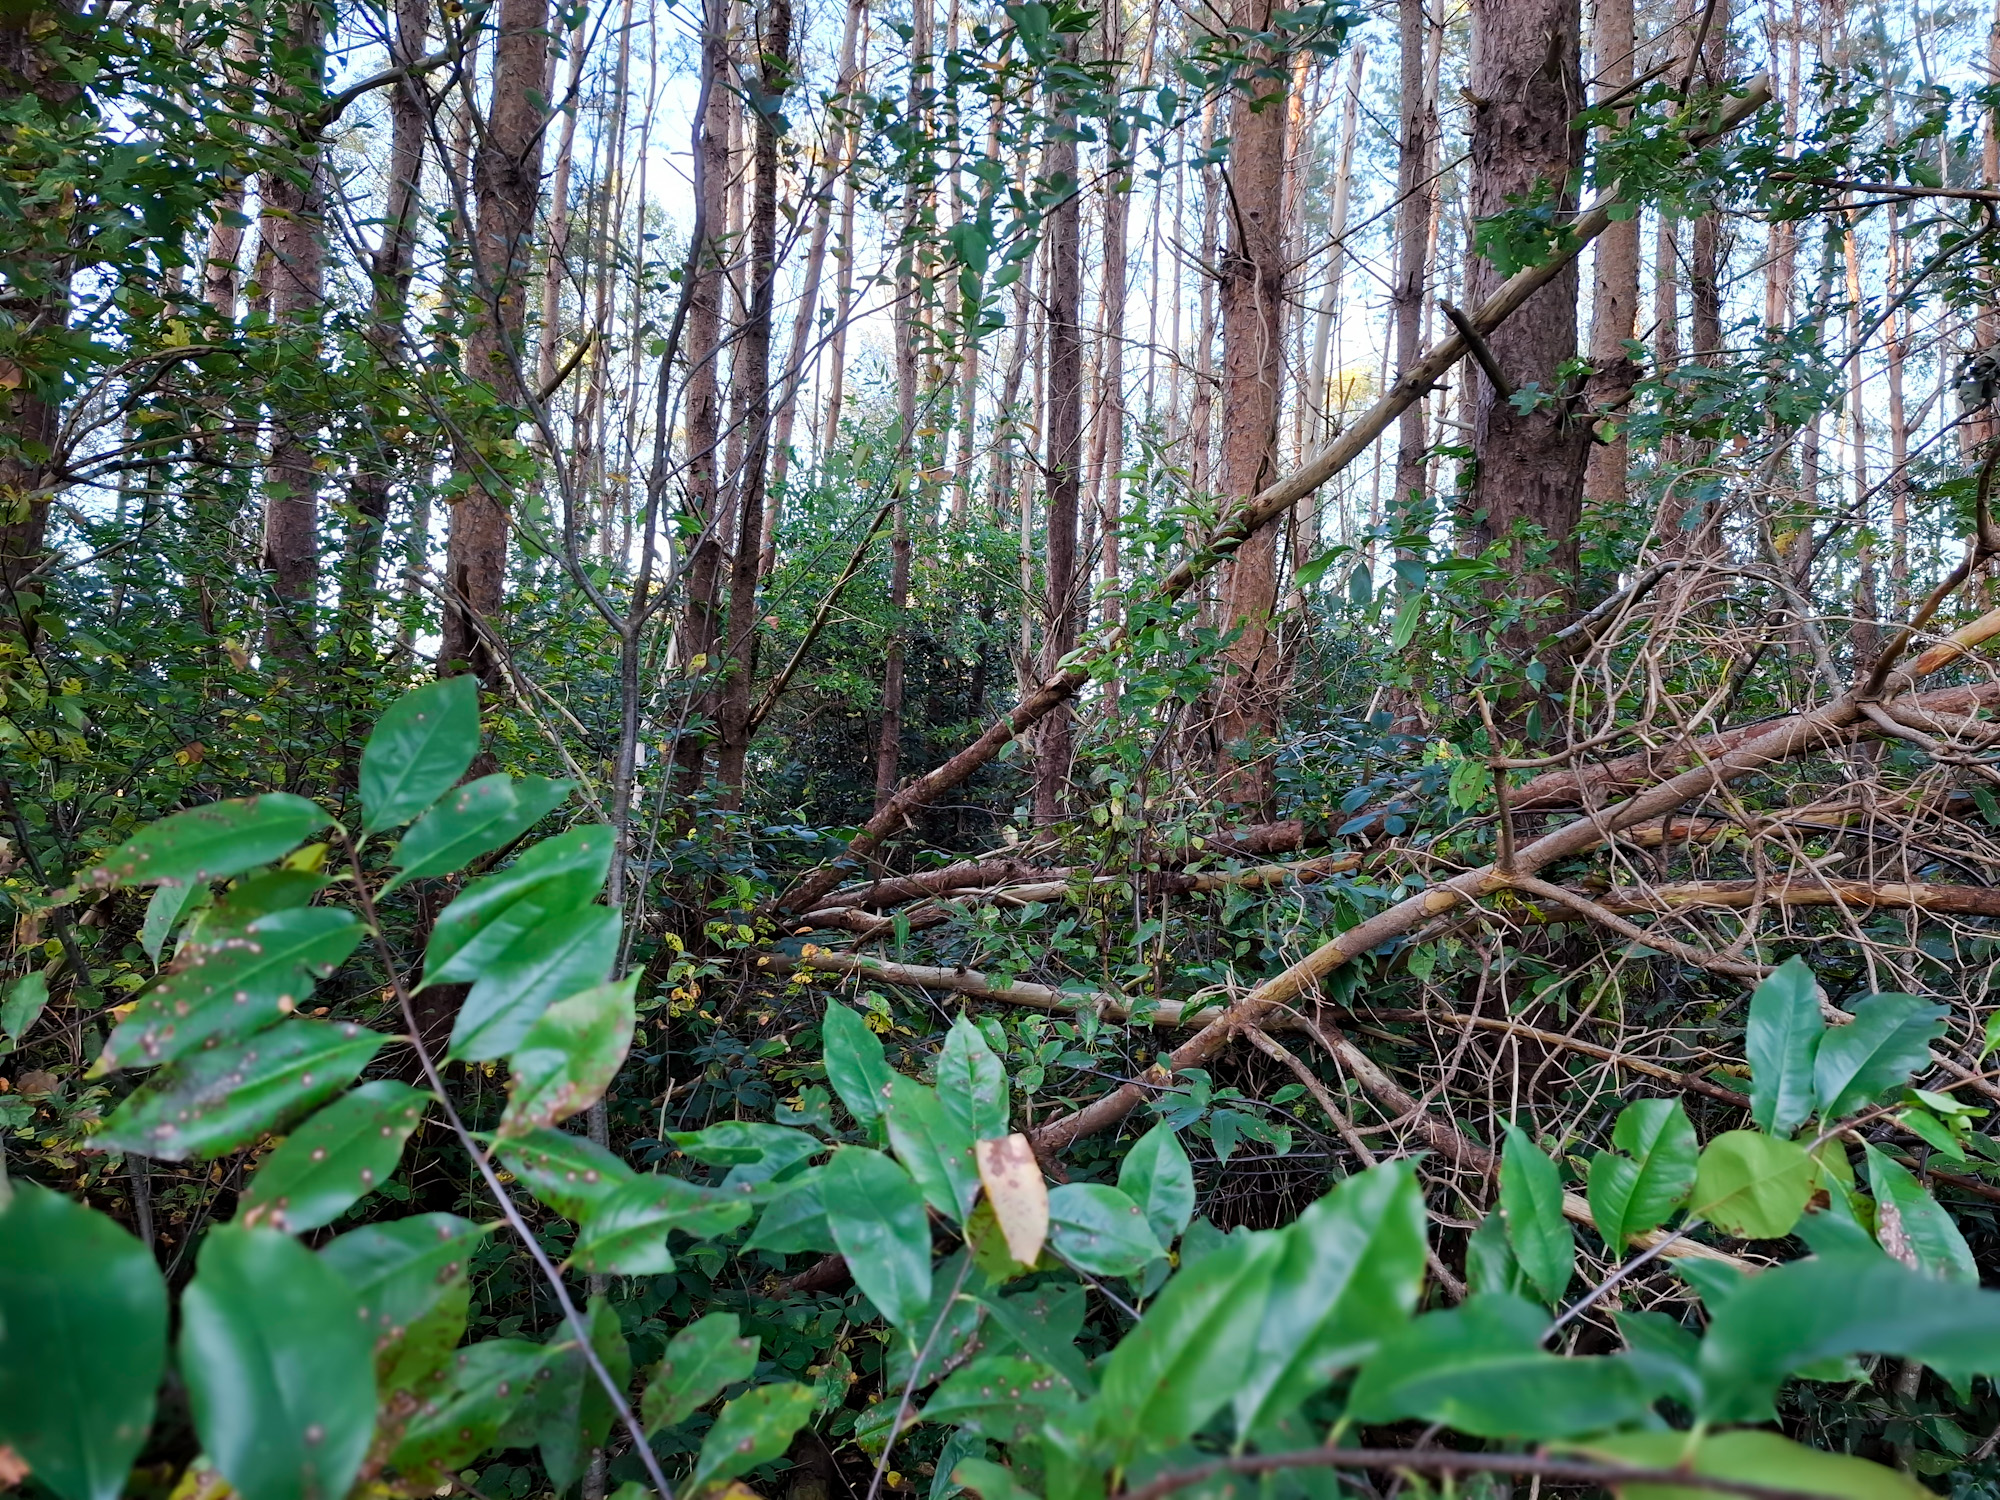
(1100, 1230)
(410, 1277)
(1806, 1312)
(1184, 1360)
(1479, 1368)
(1780, 1044)
(163, 910)
(754, 1152)
(460, 1412)
(419, 749)
(257, 894)
(215, 1102)
(1885, 1045)
(335, 1159)
(1748, 1457)
(972, 1082)
(567, 1413)
(1489, 1260)
(794, 1219)
(1352, 1270)
(232, 986)
(25, 1000)
(477, 817)
(876, 1214)
(753, 1429)
(1911, 1225)
(1000, 1396)
(991, 1481)
(854, 1064)
(1637, 1192)
(570, 1173)
(569, 1056)
(566, 952)
(933, 1146)
(1531, 1196)
(1924, 1124)
(210, 843)
(1156, 1175)
(279, 1366)
(558, 874)
(1991, 1037)
(701, 1360)
(626, 1233)
(1752, 1186)
(83, 1339)
(1046, 1323)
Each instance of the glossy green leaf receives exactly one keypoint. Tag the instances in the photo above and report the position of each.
(567, 952)
(569, 1057)
(1781, 1044)
(1184, 1360)
(1101, 1230)
(1157, 1176)
(1913, 1227)
(475, 819)
(1489, 1260)
(876, 1214)
(1752, 1186)
(461, 1410)
(1531, 1197)
(972, 1082)
(411, 1279)
(1000, 1396)
(1636, 1192)
(991, 1481)
(558, 874)
(1886, 1044)
(163, 910)
(26, 998)
(1666, 1357)
(1821, 1309)
(228, 987)
(626, 1233)
(855, 1065)
(210, 843)
(793, 1219)
(701, 1360)
(570, 1173)
(753, 1429)
(215, 1102)
(1479, 1368)
(279, 1366)
(566, 1413)
(1748, 1457)
(335, 1159)
(933, 1146)
(257, 894)
(753, 1151)
(418, 750)
(83, 1339)
(1350, 1276)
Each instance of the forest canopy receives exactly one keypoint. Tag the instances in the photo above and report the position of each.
(1048, 752)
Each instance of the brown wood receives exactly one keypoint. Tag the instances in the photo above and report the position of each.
(1417, 130)
(1614, 304)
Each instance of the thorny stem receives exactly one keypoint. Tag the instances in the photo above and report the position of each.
(515, 1222)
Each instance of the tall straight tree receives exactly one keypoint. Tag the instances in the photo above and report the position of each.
(1415, 158)
(751, 371)
(1525, 84)
(1614, 304)
(1063, 462)
(1252, 277)
(506, 183)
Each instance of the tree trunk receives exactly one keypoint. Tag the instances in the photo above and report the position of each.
(294, 239)
(1526, 86)
(1415, 165)
(751, 372)
(1063, 424)
(1107, 439)
(1201, 407)
(507, 174)
(1614, 303)
(1252, 296)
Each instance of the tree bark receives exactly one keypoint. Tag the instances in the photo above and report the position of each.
(1415, 165)
(1527, 88)
(751, 372)
(507, 173)
(1614, 304)
(1252, 298)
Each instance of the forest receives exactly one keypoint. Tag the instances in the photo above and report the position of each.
(1035, 750)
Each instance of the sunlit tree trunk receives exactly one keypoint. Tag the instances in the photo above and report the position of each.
(1614, 303)
(1415, 165)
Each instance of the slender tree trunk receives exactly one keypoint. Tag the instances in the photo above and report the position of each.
(294, 236)
(751, 372)
(1325, 356)
(507, 174)
(1252, 298)
(1008, 427)
(1201, 407)
(1055, 741)
(1984, 424)
(1107, 440)
(1614, 304)
(1415, 166)
(1527, 87)
(221, 273)
(843, 282)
